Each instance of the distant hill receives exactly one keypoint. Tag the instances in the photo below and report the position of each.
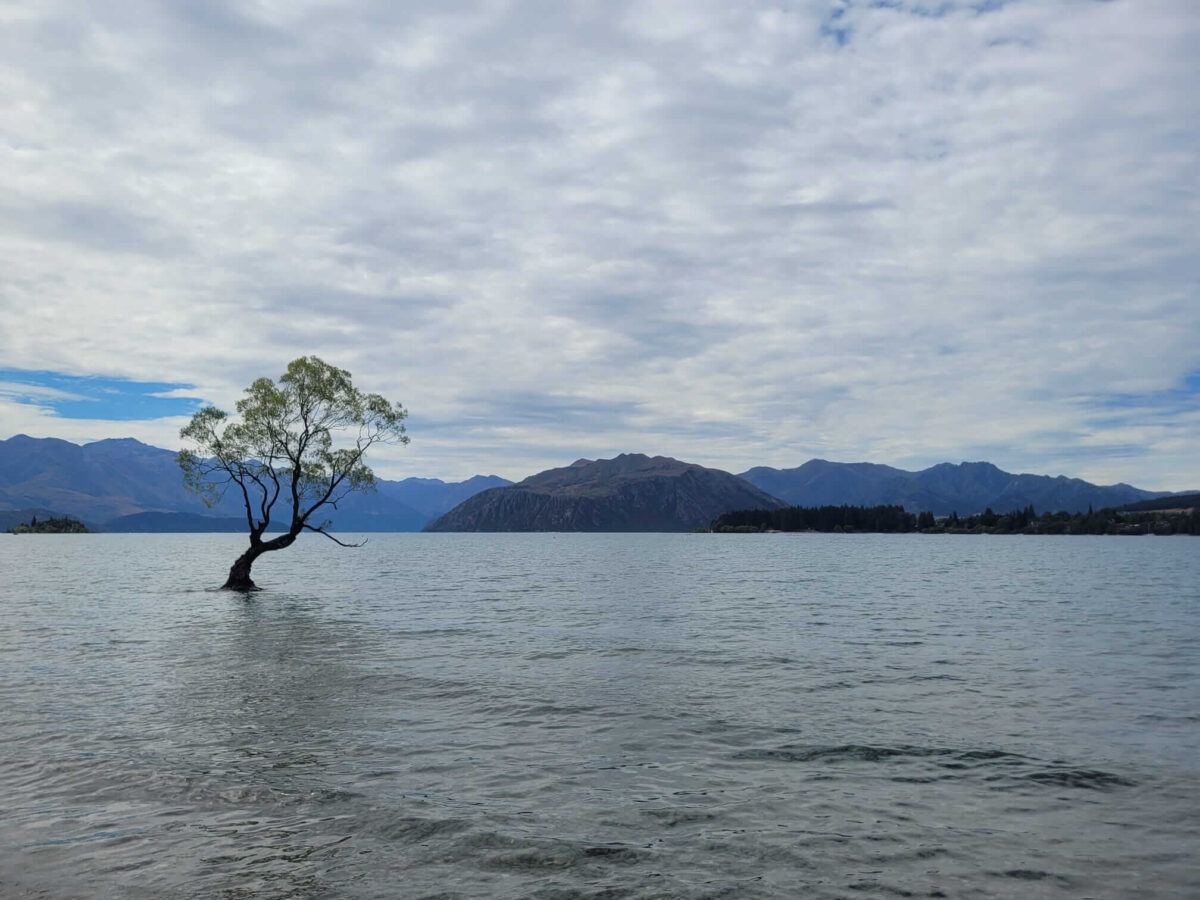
(95, 482)
(632, 492)
(431, 496)
(1170, 501)
(965, 488)
(108, 481)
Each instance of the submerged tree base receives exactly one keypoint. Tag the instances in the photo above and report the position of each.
(243, 587)
(239, 573)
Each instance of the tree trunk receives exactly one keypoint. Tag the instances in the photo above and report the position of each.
(239, 573)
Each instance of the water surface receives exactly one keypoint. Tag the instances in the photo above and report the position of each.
(602, 715)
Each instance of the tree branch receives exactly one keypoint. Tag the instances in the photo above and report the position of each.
(332, 538)
(335, 479)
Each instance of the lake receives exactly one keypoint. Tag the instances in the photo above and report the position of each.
(553, 715)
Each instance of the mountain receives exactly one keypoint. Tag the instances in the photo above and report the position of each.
(432, 496)
(108, 481)
(632, 492)
(968, 487)
(821, 483)
(95, 482)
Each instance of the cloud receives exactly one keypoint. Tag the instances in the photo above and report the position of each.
(36, 393)
(742, 235)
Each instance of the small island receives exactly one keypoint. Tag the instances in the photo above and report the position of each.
(51, 525)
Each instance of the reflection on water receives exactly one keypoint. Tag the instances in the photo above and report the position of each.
(608, 715)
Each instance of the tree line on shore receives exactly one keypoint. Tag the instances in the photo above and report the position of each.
(896, 520)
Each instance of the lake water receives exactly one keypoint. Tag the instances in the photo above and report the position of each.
(601, 715)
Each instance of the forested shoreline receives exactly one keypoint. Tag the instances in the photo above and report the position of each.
(896, 520)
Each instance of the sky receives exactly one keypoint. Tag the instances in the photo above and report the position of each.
(738, 234)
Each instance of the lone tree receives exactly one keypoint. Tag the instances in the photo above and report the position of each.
(283, 447)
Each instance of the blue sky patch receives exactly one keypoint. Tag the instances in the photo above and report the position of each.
(1174, 400)
(833, 28)
(95, 397)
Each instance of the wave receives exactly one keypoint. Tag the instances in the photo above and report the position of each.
(1016, 768)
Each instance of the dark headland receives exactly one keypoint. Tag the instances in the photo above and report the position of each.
(631, 492)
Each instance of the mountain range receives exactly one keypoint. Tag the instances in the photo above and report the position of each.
(966, 488)
(125, 485)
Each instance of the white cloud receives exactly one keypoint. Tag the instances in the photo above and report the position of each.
(16, 390)
(566, 230)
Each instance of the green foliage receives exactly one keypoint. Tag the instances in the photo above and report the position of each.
(301, 439)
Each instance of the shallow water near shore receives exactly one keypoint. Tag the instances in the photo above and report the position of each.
(601, 715)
